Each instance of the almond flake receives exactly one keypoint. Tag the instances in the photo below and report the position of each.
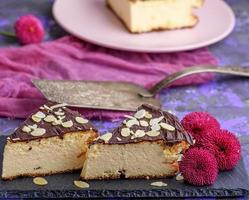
(132, 132)
(36, 119)
(67, 124)
(129, 117)
(159, 184)
(125, 132)
(58, 106)
(26, 129)
(59, 113)
(148, 115)
(133, 137)
(119, 139)
(81, 184)
(156, 120)
(57, 122)
(179, 157)
(16, 139)
(50, 118)
(40, 181)
(132, 122)
(38, 132)
(33, 127)
(155, 127)
(47, 108)
(40, 115)
(140, 114)
(167, 126)
(144, 123)
(106, 137)
(61, 117)
(153, 133)
(139, 133)
(81, 120)
(179, 177)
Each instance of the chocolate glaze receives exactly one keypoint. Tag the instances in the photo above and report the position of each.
(169, 137)
(51, 130)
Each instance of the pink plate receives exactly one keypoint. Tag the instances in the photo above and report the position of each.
(92, 21)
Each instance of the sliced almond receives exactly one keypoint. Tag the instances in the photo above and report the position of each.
(153, 133)
(49, 118)
(148, 115)
(40, 181)
(144, 123)
(81, 184)
(155, 127)
(129, 117)
(159, 184)
(58, 106)
(81, 120)
(180, 156)
(106, 137)
(179, 177)
(140, 114)
(156, 120)
(167, 126)
(16, 139)
(61, 117)
(139, 133)
(34, 126)
(26, 129)
(132, 122)
(36, 119)
(38, 132)
(67, 124)
(125, 132)
(119, 139)
(56, 122)
(59, 113)
(47, 108)
(40, 115)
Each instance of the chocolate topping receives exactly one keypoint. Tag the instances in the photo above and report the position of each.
(50, 120)
(165, 127)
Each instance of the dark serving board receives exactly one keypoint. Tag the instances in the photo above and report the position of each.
(229, 184)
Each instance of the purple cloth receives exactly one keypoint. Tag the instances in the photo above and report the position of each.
(71, 59)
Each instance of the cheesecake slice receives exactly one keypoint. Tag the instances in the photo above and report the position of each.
(52, 140)
(148, 15)
(147, 145)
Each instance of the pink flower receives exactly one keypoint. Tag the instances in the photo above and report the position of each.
(29, 29)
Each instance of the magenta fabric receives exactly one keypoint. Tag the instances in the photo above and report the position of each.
(71, 59)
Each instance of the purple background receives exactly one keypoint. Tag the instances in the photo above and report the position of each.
(226, 98)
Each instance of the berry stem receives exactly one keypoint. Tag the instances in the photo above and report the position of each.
(7, 34)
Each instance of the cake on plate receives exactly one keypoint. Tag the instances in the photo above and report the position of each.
(148, 144)
(52, 140)
(148, 15)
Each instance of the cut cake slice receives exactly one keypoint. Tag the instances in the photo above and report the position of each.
(148, 15)
(146, 145)
(52, 140)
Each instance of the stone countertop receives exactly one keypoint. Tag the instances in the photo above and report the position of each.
(226, 98)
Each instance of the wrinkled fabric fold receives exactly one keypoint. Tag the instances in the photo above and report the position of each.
(69, 58)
